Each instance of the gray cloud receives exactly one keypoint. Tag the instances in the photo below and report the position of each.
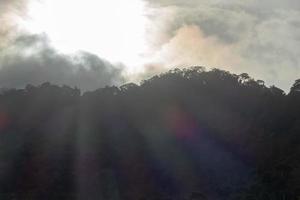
(254, 36)
(257, 4)
(262, 37)
(31, 60)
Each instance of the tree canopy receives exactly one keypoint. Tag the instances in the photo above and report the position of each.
(185, 134)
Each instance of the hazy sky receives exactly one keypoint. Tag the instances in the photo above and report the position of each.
(130, 40)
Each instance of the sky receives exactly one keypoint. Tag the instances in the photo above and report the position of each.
(94, 43)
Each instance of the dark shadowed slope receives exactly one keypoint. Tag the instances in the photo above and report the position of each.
(186, 134)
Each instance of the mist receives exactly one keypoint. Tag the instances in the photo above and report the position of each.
(261, 38)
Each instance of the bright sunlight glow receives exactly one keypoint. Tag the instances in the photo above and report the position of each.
(112, 29)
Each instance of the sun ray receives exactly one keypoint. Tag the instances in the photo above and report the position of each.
(114, 30)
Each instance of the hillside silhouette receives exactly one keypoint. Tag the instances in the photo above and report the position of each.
(187, 134)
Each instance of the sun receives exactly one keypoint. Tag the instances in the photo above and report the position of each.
(112, 29)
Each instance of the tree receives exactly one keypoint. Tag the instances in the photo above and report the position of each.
(222, 135)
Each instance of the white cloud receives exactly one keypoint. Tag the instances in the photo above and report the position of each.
(261, 38)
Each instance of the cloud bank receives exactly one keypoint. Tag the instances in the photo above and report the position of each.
(261, 38)
(30, 59)
(258, 37)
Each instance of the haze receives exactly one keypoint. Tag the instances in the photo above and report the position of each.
(146, 37)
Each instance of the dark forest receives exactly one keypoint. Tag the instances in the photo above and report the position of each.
(187, 134)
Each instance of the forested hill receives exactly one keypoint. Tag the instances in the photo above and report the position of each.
(186, 134)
